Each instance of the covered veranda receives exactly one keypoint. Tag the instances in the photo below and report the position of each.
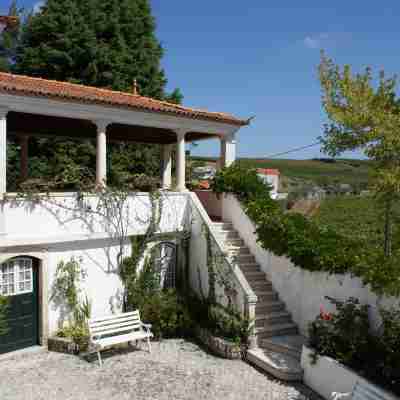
(36, 107)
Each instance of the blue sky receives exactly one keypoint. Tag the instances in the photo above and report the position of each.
(258, 59)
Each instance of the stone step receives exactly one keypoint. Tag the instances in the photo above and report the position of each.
(264, 307)
(278, 317)
(260, 285)
(224, 235)
(289, 344)
(281, 366)
(223, 225)
(252, 267)
(288, 328)
(252, 276)
(245, 259)
(233, 250)
(267, 296)
(234, 243)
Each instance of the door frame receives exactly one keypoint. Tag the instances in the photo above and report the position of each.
(40, 259)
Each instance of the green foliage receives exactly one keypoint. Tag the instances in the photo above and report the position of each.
(364, 116)
(345, 335)
(242, 182)
(309, 244)
(3, 313)
(167, 312)
(66, 291)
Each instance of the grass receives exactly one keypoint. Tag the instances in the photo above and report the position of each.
(354, 172)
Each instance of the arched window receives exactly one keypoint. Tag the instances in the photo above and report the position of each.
(164, 256)
(16, 277)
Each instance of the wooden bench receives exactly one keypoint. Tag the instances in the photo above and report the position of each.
(364, 391)
(118, 329)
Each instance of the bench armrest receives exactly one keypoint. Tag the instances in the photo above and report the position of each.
(147, 327)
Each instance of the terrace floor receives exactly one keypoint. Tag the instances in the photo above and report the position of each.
(176, 369)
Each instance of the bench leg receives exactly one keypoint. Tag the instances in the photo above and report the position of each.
(99, 358)
(149, 345)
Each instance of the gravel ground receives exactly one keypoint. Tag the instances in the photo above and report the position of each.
(176, 369)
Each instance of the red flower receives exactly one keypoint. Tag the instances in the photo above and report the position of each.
(324, 315)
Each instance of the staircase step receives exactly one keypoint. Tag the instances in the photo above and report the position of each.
(289, 344)
(281, 366)
(234, 243)
(276, 330)
(224, 235)
(223, 225)
(254, 275)
(269, 295)
(264, 307)
(278, 317)
(233, 250)
(251, 267)
(245, 259)
(259, 285)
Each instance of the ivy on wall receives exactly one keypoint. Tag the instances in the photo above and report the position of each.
(306, 243)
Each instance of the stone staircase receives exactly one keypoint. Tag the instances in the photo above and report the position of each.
(279, 344)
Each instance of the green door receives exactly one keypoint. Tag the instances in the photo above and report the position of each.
(18, 282)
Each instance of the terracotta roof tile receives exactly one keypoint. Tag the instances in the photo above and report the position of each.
(28, 86)
(268, 171)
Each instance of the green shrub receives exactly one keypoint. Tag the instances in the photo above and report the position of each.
(345, 336)
(244, 183)
(307, 243)
(168, 314)
(3, 313)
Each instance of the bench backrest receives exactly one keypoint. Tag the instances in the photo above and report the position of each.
(367, 391)
(114, 324)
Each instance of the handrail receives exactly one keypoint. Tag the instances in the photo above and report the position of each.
(251, 297)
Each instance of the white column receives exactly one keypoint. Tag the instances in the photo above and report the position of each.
(166, 166)
(221, 161)
(3, 151)
(229, 149)
(24, 142)
(101, 153)
(180, 161)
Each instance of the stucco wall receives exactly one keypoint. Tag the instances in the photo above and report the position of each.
(210, 202)
(303, 291)
(62, 214)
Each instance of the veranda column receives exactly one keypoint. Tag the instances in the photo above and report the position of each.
(221, 161)
(101, 153)
(166, 167)
(3, 152)
(180, 161)
(24, 142)
(229, 150)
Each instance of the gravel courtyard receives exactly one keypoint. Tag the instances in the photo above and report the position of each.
(176, 369)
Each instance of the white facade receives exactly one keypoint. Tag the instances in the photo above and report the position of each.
(272, 180)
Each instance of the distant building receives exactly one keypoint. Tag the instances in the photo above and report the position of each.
(204, 173)
(271, 177)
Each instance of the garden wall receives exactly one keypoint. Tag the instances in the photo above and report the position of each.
(303, 291)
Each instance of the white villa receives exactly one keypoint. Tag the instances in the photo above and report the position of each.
(38, 233)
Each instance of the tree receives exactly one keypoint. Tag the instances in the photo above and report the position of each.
(365, 117)
(9, 40)
(102, 43)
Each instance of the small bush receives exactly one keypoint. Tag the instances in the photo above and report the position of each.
(3, 314)
(345, 336)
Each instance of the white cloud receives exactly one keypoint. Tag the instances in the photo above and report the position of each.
(38, 6)
(316, 41)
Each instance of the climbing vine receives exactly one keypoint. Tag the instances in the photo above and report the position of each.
(3, 314)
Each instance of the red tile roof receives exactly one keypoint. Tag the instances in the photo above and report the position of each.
(268, 171)
(28, 86)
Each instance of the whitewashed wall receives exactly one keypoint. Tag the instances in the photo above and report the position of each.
(102, 284)
(61, 215)
(303, 291)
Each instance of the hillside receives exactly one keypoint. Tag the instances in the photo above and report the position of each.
(294, 172)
